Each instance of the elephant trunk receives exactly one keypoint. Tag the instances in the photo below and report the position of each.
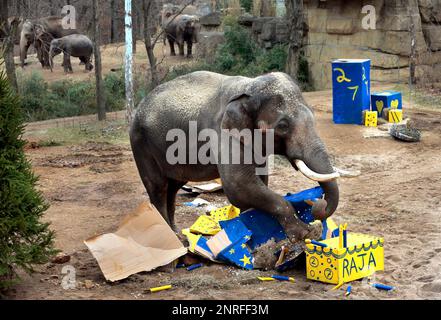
(51, 58)
(25, 43)
(316, 165)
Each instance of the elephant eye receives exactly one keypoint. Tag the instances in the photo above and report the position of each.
(282, 126)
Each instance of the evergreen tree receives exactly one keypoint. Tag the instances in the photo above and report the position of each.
(24, 239)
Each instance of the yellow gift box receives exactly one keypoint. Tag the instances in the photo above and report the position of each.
(362, 257)
(395, 115)
(370, 118)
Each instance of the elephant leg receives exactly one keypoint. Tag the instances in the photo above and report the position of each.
(67, 64)
(173, 188)
(181, 48)
(86, 62)
(151, 175)
(246, 190)
(172, 47)
(189, 49)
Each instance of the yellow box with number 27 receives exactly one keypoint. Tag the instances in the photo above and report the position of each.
(363, 256)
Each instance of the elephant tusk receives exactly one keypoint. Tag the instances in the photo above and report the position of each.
(303, 168)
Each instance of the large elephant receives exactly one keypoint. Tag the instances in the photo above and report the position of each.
(219, 102)
(181, 29)
(75, 45)
(52, 27)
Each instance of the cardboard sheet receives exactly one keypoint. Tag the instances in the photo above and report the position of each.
(143, 242)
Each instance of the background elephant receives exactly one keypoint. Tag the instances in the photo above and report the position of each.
(215, 101)
(52, 27)
(75, 45)
(181, 29)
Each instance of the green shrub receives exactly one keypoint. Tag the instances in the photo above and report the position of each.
(241, 55)
(24, 239)
(247, 5)
(68, 98)
(115, 86)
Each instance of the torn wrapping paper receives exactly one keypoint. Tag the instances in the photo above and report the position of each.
(230, 244)
(225, 213)
(235, 236)
(143, 242)
(302, 202)
(205, 225)
(263, 226)
(198, 244)
(203, 188)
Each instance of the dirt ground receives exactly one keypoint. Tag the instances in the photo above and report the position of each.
(92, 186)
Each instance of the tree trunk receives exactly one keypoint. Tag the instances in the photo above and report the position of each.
(128, 65)
(147, 10)
(134, 25)
(294, 12)
(113, 21)
(8, 44)
(100, 94)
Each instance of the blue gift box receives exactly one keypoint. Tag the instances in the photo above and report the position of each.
(351, 87)
(386, 99)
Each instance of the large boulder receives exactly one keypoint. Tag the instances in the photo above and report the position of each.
(208, 44)
(432, 33)
(211, 20)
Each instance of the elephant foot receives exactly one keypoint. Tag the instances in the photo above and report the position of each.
(189, 56)
(296, 230)
(173, 54)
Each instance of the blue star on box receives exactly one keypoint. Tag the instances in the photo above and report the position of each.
(238, 254)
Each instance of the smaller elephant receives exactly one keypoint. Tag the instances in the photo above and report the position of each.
(75, 45)
(181, 29)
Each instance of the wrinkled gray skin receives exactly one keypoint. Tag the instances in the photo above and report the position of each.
(183, 29)
(75, 45)
(53, 28)
(222, 102)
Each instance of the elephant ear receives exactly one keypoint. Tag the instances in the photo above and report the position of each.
(240, 112)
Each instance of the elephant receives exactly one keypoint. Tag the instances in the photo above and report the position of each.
(181, 29)
(223, 104)
(52, 27)
(75, 45)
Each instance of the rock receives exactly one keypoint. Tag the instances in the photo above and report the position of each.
(432, 34)
(61, 258)
(208, 44)
(246, 20)
(340, 26)
(213, 19)
(88, 284)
